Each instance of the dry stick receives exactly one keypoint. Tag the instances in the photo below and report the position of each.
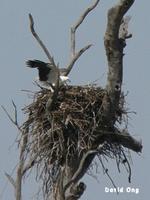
(24, 141)
(54, 94)
(11, 180)
(18, 183)
(106, 171)
(39, 40)
(75, 58)
(78, 23)
(129, 177)
(14, 121)
(74, 55)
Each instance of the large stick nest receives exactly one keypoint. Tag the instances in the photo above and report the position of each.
(68, 131)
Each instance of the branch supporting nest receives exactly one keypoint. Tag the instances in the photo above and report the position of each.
(122, 138)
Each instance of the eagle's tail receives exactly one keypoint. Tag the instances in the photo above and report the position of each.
(35, 63)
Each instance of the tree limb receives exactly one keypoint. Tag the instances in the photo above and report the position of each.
(122, 138)
(15, 119)
(24, 138)
(39, 40)
(83, 166)
(77, 24)
(74, 55)
(75, 58)
(51, 60)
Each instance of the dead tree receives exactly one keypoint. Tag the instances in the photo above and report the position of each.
(66, 129)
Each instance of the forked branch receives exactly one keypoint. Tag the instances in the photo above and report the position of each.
(77, 24)
(17, 184)
(75, 55)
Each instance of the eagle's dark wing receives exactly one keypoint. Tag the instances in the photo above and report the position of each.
(42, 68)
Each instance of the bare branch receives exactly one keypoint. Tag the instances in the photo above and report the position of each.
(122, 138)
(126, 161)
(15, 120)
(18, 183)
(74, 55)
(106, 172)
(18, 189)
(8, 115)
(77, 24)
(11, 180)
(83, 166)
(16, 114)
(54, 94)
(39, 40)
(75, 58)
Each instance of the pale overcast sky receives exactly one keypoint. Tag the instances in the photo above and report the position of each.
(52, 21)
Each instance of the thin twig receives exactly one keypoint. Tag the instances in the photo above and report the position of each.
(126, 160)
(11, 180)
(106, 171)
(14, 121)
(16, 114)
(39, 40)
(8, 115)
